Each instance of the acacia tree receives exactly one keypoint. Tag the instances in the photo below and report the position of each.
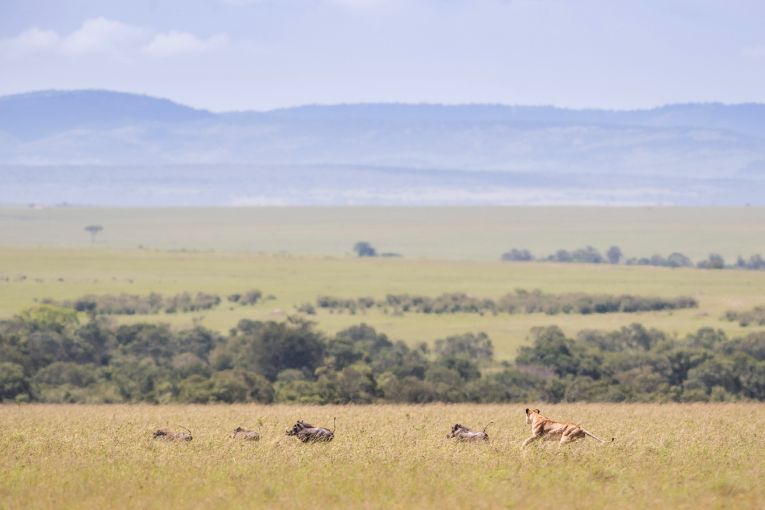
(93, 230)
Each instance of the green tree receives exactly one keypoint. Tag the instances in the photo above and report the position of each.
(614, 255)
(550, 348)
(364, 249)
(13, 383)
(270, 347)
(478, 347)
(714, 261)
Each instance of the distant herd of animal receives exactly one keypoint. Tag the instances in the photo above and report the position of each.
(541, 428)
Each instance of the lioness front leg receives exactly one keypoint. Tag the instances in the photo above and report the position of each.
(530, 440)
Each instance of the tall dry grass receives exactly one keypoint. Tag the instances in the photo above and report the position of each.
(679, 456)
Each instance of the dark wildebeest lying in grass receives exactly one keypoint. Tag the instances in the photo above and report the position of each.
(247, 435)
(169, 435)
(308, 433)
(462, 433)
(545, 428)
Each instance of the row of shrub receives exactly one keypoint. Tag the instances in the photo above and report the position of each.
(134, 304)
(46, 355)
(755, 262)
(755, 316)
(251, 297)
(614, 255)
(521, 301)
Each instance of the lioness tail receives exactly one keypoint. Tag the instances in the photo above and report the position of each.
(596, 437)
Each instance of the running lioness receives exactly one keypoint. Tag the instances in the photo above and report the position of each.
(545, 428)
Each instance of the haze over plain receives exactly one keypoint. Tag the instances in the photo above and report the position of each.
(412, 103)
(105, 148)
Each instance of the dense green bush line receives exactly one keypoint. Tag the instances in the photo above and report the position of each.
(47, 355)
(133, 304)
(614, 255)
(521, 301)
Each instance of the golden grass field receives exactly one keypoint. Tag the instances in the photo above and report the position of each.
(664, 456)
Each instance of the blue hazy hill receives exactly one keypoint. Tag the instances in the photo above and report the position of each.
(50, 112)
(89, 146)
(47, 112)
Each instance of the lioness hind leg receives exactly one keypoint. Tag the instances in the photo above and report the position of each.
(571, 436)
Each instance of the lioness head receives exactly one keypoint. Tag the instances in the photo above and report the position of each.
(529, 413)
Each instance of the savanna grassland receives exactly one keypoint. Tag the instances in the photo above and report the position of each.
(436, 233)
(63, 273)
(669, 456)
(384, 456)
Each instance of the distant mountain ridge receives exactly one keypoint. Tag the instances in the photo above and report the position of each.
(744, 117)
(20, 115)
(58, 145)
(68, 109)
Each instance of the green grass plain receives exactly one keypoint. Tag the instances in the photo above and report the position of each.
(466, 233)
(297, 254)
(61, 273)
(681, 456)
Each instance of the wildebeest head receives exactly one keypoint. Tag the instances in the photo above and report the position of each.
(298, 427)
(456, 429)
(308, 433)
(462, 433)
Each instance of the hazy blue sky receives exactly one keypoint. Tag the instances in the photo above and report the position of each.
(259, 54)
